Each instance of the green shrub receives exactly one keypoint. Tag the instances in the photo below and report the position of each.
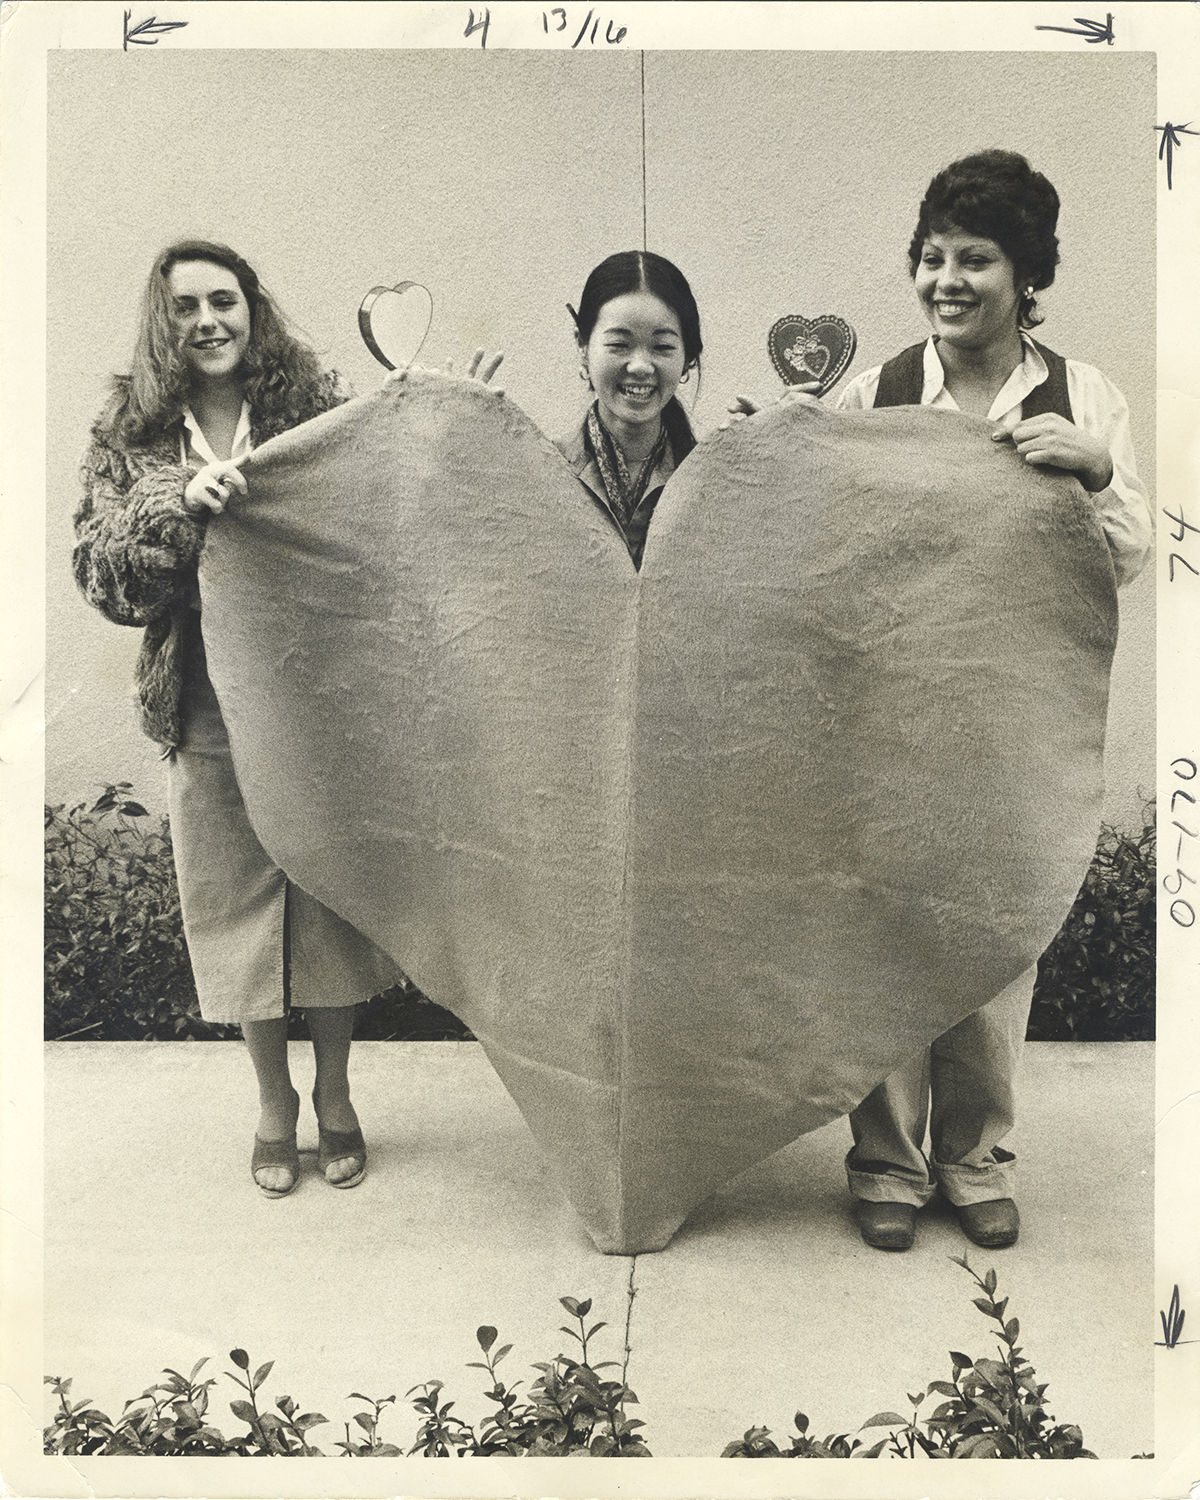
(403, 1014)
(116, 960)
(1096, 980)
(116, 965)
(994, 1408)
(570, 1410)
(170, 1420)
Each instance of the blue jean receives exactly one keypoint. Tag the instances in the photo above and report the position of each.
(963, 1088)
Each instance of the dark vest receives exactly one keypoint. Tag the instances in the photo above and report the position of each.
(901, 380)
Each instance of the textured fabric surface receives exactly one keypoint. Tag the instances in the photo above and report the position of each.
(701, 854)
(256, 941)
(1097, 407)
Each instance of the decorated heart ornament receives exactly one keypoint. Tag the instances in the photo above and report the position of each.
(394, 322)
(702, 853)
(808, 349)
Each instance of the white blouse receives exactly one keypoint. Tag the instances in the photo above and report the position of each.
(195, 450)
(1097, 406)
(194, 445)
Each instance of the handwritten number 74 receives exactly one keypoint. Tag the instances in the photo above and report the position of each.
(1178, 536)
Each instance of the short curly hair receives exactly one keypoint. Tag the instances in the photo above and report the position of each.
(996, 194)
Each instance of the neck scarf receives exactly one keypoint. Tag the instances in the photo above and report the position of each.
(624, 490)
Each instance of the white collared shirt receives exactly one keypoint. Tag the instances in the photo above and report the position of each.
(1096, 405)
(195, 451)
(194, 445)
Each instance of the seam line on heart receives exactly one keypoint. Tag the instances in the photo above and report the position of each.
(627, 798)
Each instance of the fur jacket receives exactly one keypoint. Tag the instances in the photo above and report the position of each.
(137, 550)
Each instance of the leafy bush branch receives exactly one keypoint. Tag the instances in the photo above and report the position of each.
(1096, 979)
(570, 1410)
(991, 1408)
(114, 947)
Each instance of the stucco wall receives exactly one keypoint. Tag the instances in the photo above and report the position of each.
(780, 182)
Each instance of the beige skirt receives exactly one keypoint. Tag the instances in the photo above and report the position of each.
(257, 942)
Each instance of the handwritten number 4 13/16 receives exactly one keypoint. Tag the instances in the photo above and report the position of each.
(559, 15)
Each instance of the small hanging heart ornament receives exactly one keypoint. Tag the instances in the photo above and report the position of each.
(396, 318)
(808, 349)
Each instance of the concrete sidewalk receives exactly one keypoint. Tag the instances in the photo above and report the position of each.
(159, 1251)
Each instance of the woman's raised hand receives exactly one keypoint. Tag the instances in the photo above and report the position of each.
(742, 407)
(807, 394)
(478, 369)
(210, 488)
(1059, 444)
(481, 369)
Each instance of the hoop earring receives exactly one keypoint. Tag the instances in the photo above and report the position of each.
(1029, 292)
(584, 376)
(686, 376)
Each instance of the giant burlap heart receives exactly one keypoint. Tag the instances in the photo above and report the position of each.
(701, 853)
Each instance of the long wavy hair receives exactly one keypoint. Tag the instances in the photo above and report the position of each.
(644, 271)
(283, 381)
(998, 195)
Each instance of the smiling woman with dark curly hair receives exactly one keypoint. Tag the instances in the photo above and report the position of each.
(984, 246)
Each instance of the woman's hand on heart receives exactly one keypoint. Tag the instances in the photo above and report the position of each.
(481, 369)
(211, 488)
(1052, 441)
(742, 407)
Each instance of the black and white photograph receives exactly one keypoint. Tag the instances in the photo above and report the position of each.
(618, 626)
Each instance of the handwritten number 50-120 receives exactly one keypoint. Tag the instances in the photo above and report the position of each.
(1182, 911)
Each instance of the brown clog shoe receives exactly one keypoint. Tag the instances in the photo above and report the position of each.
(994, 1225)
(886, 1226)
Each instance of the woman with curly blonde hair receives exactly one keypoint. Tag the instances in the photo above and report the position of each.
(217, 371)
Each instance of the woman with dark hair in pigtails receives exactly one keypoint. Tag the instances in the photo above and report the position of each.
(984, 246)
(638, 332)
